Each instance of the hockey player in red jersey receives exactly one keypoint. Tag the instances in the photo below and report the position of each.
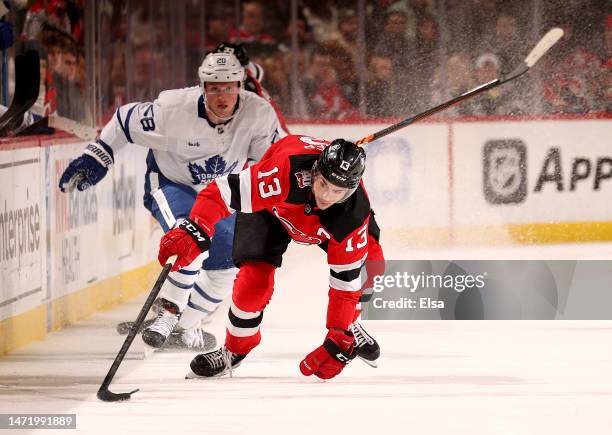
(303, 189)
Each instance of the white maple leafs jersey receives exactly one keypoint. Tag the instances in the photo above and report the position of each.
(187, 147)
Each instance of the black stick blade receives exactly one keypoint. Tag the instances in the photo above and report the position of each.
(106, 395)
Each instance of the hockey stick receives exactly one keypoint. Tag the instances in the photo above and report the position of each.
(78, 129)
(104, 393)
(27, 84)
(538, 51)
(68, 125)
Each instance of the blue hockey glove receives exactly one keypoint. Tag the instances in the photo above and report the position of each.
(88, 169)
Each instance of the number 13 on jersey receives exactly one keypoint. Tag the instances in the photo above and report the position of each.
(271, 187)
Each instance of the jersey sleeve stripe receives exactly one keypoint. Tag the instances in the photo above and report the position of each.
(245, 191)
(233, 181)
(120, 122)
(343, 267)
(225, 191)
(127, 121)
(349, 286)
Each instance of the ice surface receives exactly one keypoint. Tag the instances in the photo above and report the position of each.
(434, 377)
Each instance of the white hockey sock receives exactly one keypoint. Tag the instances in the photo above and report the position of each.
(210, 289)
(179, 284)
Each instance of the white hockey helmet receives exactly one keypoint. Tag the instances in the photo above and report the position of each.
(221, 67)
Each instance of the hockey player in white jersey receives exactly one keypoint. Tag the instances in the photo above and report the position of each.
(195, 135)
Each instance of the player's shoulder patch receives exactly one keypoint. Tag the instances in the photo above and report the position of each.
(342, 219)
(300, 173)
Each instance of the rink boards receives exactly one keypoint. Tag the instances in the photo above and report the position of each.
(477, 182)
(63, 257)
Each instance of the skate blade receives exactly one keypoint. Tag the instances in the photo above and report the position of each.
(372, 364)
(167, 349)
(192, 375)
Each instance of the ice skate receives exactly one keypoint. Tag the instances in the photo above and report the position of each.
(194, 339)
(159, 331)
(366, 346)
(214, 364)
(124, 327)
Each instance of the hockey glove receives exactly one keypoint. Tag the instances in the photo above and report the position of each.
(187, 241)
(87, 170)
(328, 360)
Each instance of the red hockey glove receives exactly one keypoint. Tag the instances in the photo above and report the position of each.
(186, 241)
(328, 360)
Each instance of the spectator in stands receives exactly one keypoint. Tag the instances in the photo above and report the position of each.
(57, 15)
(469, 22)
(381, 88)
(392, 42)
(488, 68)
(299, 106)
(34, 21)
(322, 17)
(423, 61)
(607, 53)
(277, 80)
(70, 99)
(346, 51)
(53, 46)
(451, 82)
(217, 30)
(606, 86)
(606, 81)
(346, 70)
(252, 30)
(412, 10)
(572, 76)
(503, 100)
(142, 60)
(304, 33)
(346, 35)
(323, 90)
(506, 43)
(46, 103)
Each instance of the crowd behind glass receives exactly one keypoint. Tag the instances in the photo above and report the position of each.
(337, 60)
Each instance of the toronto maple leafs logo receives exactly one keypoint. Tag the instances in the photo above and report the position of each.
(214, 167)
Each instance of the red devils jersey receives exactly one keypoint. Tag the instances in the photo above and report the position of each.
(281, 184)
